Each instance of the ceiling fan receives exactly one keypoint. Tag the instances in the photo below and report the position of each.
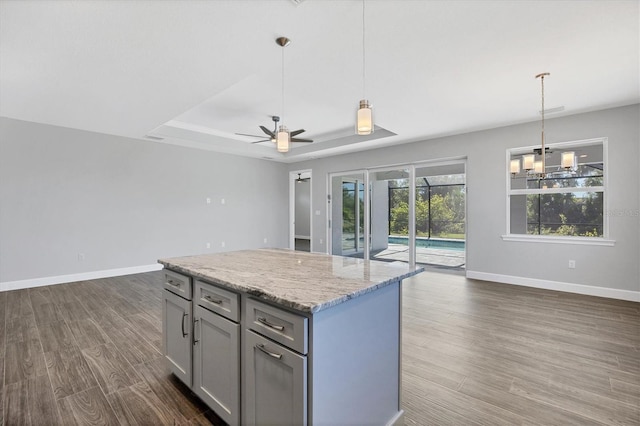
(272, 134)
(300, 179)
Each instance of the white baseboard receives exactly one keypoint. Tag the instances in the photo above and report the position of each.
(611, 293)
(39, 282)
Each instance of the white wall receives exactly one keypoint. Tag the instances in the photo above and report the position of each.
(599, 268)
(125, 203)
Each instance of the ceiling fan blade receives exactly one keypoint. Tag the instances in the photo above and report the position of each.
(263, 140)
(296, 132)
(253, 136)
(268, 132)
(301, 140)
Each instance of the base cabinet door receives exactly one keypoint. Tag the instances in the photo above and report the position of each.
(275, 383)
(216, 369)
(176, 325)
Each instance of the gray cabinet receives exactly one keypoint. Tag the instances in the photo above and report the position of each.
(201, 342)
(176, 335)
(275, 383)
(216, 363)
(256, 363)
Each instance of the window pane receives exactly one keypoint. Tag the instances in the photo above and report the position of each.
(440, 210)
(348, 216)
(570, 214)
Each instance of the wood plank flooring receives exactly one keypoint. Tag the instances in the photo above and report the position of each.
(486, 353)
(475, 353)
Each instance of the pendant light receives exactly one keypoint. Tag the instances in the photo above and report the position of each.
(364, 117)
(283, 137)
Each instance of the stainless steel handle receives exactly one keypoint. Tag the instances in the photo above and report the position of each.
(194, 332)
(268, 324)
(183, 332)
(175, 284)
(212, 300)
(271, 354)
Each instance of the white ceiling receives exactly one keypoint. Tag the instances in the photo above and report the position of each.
(196, 72)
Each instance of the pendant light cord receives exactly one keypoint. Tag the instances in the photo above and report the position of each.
(363, 53)
(542, 84)
(542, 135)
(542, 147)
(282, 83)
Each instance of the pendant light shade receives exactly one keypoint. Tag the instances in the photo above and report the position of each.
(364, 119)
(568, 160)
(515, 167)
(283, 139)
(538, 167)
(527, 161)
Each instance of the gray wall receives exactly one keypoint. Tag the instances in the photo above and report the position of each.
(124, 203)
(303, 208)
(614, 267)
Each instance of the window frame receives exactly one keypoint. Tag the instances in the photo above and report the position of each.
(560, 239)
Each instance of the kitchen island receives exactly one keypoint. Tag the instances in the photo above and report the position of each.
(282, 337)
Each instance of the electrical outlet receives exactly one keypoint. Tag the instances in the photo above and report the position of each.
(222, 244)
(320, 240)
(208, 245)
(265, 240)
(208, 200)
(572, 264)
(80, 257)
(222, 201)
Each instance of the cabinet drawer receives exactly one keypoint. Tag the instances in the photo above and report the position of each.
(218, 300)
(282, 326)
(177, 283)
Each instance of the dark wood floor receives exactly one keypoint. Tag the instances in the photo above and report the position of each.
(475, 353)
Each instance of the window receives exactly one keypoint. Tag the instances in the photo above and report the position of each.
(568, 203)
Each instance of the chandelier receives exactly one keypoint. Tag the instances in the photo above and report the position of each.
(534, 164)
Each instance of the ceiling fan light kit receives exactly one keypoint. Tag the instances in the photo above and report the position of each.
(282, 140)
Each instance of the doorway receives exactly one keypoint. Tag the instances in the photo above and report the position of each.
(300, 210)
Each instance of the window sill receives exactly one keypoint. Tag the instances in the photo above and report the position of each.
(589, 241)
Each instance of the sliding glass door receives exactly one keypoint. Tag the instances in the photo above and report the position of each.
(412, 213)
(347, 200)
(390, 214)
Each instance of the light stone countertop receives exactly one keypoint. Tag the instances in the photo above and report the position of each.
(307, 282)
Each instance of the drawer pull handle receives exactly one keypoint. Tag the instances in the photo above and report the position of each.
(271, 354)
(268, 324)
(184, 334)
(173, 283)
(212, 300)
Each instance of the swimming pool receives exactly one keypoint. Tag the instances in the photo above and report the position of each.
(457, 245)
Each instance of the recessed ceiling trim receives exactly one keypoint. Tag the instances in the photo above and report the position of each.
(351, 139)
